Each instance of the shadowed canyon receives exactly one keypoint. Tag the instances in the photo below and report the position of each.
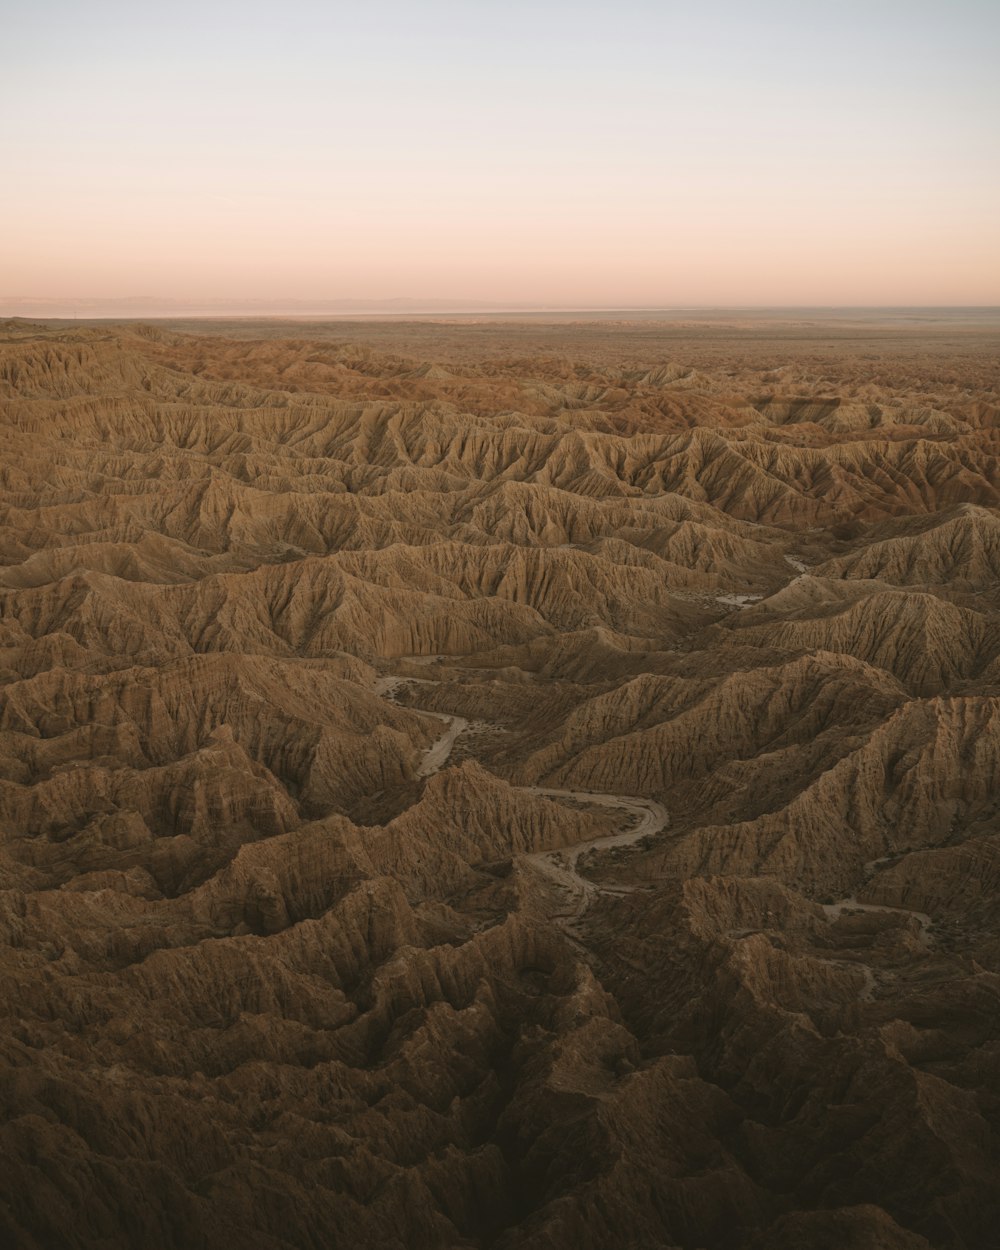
(500, 786)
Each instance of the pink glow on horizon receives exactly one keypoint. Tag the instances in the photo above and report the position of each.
(194, 157)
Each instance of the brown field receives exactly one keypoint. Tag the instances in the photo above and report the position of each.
(526, 784)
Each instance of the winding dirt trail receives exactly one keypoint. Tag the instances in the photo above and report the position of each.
(647, 817)
(439, 752)
(561, 866)
(849, 904)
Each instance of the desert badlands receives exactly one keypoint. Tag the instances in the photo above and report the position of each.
(500, 786)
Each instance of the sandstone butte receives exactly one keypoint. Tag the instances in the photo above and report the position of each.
(499, 788)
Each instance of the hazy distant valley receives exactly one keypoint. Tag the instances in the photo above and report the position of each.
(500, 785)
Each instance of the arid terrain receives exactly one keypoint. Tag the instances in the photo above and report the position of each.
(500, 786)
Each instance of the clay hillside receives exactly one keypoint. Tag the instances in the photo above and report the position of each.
(499, 787)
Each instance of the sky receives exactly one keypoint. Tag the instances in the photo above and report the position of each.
(615, 154)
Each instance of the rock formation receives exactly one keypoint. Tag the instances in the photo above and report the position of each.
(518, 792)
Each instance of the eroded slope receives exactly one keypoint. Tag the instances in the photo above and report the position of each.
(496, 798)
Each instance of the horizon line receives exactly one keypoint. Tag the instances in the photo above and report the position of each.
(246, 309)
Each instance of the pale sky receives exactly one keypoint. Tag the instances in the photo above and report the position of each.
(629, 153)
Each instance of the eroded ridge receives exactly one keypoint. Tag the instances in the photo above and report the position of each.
(503, 788)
